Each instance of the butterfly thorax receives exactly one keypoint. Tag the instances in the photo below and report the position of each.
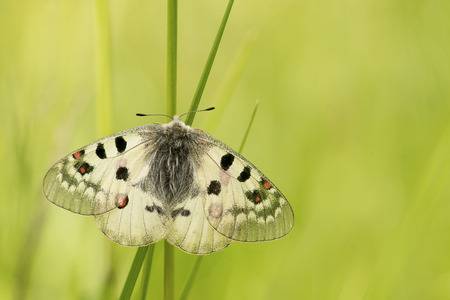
(172, 164)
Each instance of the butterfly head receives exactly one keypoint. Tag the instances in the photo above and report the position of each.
(177, 122)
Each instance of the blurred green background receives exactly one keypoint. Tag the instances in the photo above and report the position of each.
(353, 126)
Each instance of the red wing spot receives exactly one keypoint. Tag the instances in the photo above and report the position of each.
(266, 185)
(257, 198)
(77, 155)
(82, 170)
(122, 201)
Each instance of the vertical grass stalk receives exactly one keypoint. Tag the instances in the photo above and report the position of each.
(171, 59)
(252, 118)
(189, 283)
(169, 270)
(190, 119)
(171, 69)
(209, 62)
(171, 90)
(146, 272)
(133, 273)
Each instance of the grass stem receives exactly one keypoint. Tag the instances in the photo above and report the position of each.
(209, 62)
(146, 272)
(133, 273)
(171, 60)
(171, 65)
(168, 271)
(191, 278)
(244, 139)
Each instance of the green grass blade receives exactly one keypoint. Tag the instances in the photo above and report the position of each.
(207, 69)
(244, 139)
(230, 80)
(171, 65)
(168, 271)
(190, 118)
(134, 272)
(193, 275)
(171, 60)
(171, 110)
(146, 272)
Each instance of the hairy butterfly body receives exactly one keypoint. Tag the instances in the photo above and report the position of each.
(169, 181)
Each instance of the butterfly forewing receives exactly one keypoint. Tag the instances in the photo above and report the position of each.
(85, 182)
(240, 202)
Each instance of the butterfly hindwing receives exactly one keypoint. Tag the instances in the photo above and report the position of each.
(191, 231)
(141, 222)
(240, 202)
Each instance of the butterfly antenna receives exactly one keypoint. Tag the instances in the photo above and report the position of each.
(196, 111)
(153, 115)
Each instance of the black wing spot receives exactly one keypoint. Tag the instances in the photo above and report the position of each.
(121, 144)
(100, 151)
(214, 187)
(180, 211)
(245, 174)
(152, 208)
(175, 212)
(185, 213)
(226, 161)
(122, 174)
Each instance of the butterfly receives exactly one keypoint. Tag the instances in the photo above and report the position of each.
(169, 181)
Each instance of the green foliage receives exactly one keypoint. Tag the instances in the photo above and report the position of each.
(146, 272)
(352, 127)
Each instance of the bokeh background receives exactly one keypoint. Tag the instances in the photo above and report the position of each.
(353, 126)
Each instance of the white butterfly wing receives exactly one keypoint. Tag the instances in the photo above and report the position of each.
(191, 231)
(240, 202)
(140, 223)
(102, 179)
(85, 182)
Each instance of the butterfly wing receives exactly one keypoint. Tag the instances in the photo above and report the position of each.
(102, 179)
(143, 221)
(85, 181)
(240, 202)
(191, 231)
